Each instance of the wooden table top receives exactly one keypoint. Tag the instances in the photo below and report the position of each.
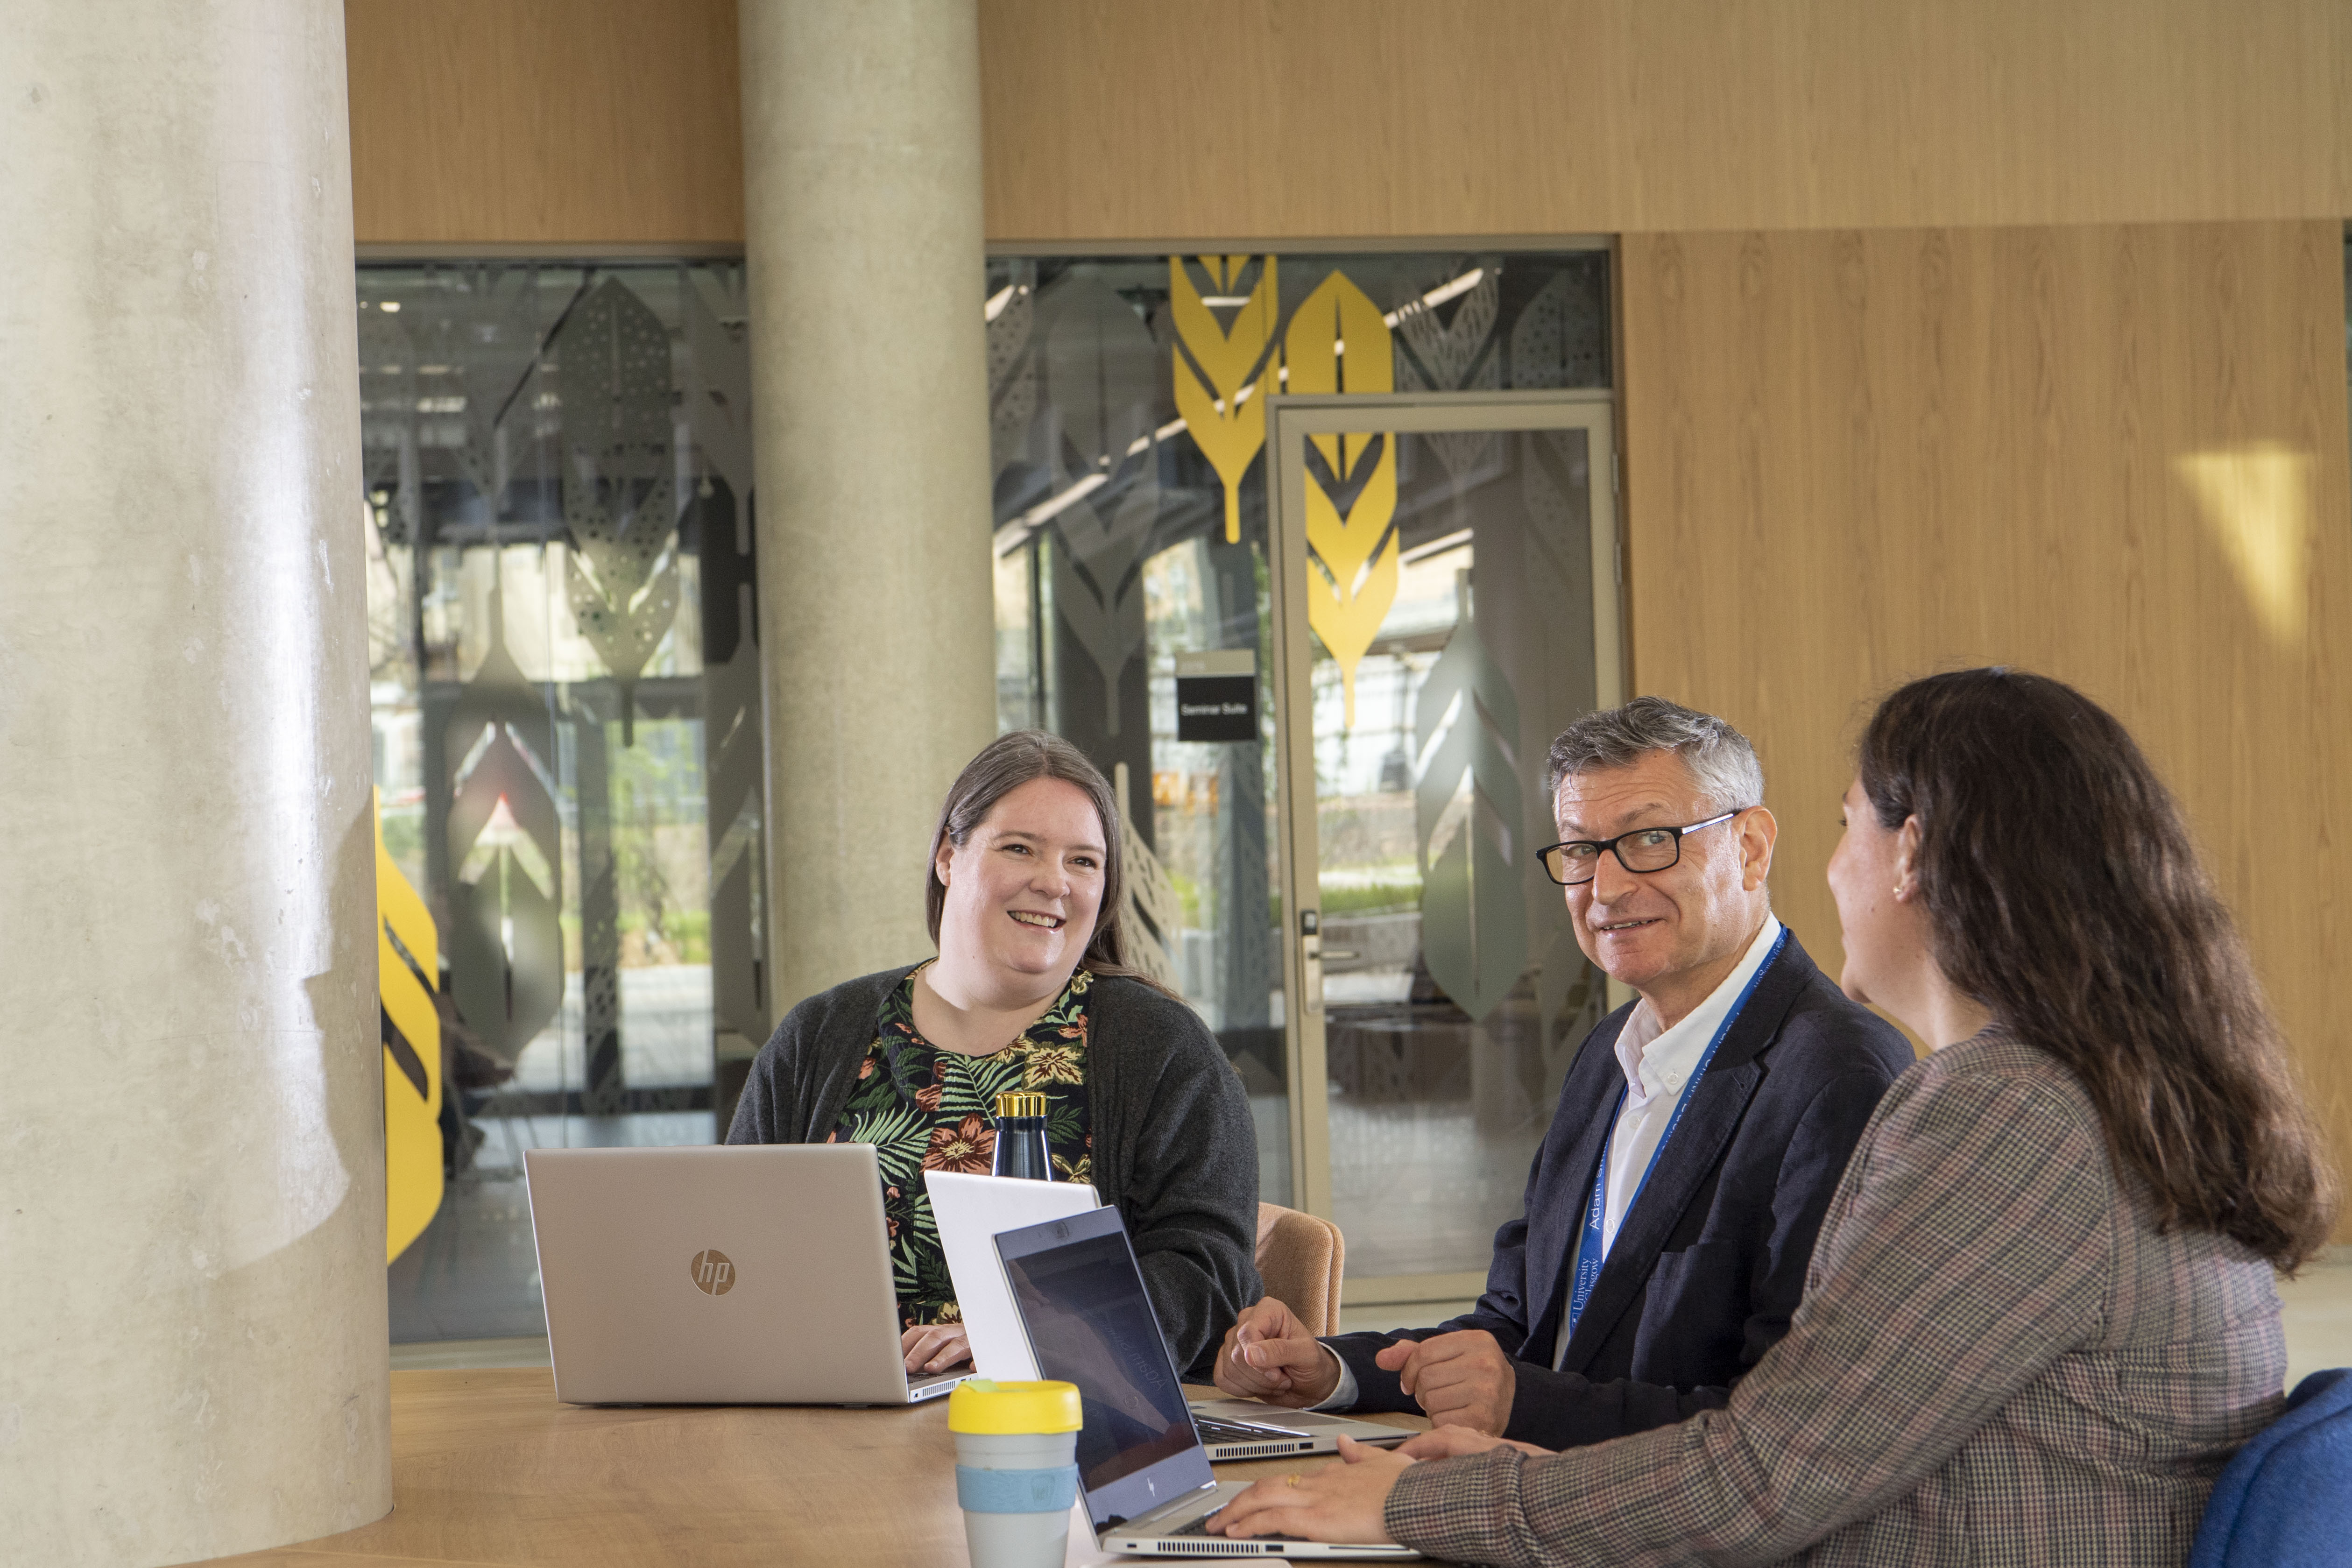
(488, 1468)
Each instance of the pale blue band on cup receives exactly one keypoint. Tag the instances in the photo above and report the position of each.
(1017, 1491)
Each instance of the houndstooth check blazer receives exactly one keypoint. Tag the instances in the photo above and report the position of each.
(1997, 1360)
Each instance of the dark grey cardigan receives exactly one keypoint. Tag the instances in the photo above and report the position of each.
(1173, 1145)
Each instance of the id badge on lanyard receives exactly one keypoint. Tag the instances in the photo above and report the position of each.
(1590, 1254)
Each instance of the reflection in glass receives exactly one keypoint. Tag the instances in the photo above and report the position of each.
(566, 703)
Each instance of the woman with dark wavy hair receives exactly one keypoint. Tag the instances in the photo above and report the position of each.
(1030, 991)
(2038, 1318)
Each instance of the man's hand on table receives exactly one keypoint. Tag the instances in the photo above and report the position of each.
(1461, 1379)
(1268, 1354)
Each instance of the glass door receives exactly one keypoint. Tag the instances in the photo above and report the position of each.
(1447, 576)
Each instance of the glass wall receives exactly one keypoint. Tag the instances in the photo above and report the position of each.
(565, 689)
(558, 510)
(1126, 398)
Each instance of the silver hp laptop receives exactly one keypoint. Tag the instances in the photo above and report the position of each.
(1143, 1471)
(752, 1275)
(972, 1211)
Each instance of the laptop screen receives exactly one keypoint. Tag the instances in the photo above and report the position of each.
(1089, 1323)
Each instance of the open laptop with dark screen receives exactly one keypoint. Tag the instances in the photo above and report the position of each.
(1143, 1473)
(972, 1210)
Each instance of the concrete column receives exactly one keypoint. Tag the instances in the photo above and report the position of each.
(861, 176)
(192, 1221)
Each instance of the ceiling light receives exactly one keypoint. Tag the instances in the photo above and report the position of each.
(1439, 295)
(1002, 297)
(1434, 547)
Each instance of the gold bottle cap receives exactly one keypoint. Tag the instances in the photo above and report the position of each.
(1020, 1102)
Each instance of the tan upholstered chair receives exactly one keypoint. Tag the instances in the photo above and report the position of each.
(1300, 1258)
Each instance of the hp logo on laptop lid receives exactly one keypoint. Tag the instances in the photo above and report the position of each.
(713, 1271)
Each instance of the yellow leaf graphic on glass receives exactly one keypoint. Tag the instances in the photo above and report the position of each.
(1337, 341)
(1223, 377)
(408, 965)
(1360, 553)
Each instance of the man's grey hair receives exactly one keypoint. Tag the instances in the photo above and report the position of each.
(1721, 761)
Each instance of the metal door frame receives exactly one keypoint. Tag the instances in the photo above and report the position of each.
(1289, 419)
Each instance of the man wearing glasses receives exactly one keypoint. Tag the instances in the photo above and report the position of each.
(1670, 1213)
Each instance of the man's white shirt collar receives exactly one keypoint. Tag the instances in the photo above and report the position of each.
(1659, 1061)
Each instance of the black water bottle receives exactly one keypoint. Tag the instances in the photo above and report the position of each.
(1020, 1136)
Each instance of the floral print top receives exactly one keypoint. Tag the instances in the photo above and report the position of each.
(924, 1110)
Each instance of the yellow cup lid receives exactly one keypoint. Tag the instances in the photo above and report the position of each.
(985, 1407)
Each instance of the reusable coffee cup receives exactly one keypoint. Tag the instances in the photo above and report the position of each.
(1015, 1473)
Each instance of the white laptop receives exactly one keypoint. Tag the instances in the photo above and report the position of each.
(1143, 1471)
(972, 1211)
(751, 1275)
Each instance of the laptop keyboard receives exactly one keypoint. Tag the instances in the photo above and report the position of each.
(1215, 1430)
(1201, 1527)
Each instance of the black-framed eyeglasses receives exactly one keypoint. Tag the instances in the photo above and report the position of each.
(1573, 862)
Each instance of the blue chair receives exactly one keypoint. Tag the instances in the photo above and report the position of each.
(2287, 1496)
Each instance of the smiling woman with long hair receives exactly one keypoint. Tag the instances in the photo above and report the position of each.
(1030, 991)
(2040, 1317)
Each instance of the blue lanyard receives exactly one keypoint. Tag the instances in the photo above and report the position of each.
(1590, 1252)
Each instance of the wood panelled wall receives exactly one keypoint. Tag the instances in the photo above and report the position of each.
(566, 122)
(589, 123)
(1273, 119)
(2117, 455)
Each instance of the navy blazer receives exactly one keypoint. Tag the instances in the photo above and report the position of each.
(1710, 1261)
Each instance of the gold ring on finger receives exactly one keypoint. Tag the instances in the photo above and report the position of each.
(1293, 1478)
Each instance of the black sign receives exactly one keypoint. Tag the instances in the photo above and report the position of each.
(1216, 707)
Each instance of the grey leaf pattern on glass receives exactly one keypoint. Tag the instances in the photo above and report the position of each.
(484, 339)
(1011, 372)
(1456, 356)
(619, 491)
(1468, 810)
(506, 850)
(1153, 907)
(1557, 339)
(1101, 374)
